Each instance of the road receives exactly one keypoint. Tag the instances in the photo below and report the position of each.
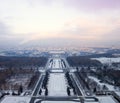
(77, 87)
(36, 90)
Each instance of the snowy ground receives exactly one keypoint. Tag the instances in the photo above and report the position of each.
(107, 60)
(102, 99)
(57, 82)
(110, 87)
(106, 99)
(16, 99)
(57, 85)
(56, 64)
(18, 80)
(24, 81)
(56, 70)
(118, 93)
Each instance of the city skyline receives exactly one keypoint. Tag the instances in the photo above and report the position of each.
(59, 23)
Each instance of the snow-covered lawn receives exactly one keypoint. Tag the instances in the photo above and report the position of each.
(16, 99)
(57, 82)
(110, 87)
(106, 99)
(57, 85)
(19, 80)
(56, 64)
(105, 60)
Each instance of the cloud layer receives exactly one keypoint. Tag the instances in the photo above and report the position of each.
(73, 22)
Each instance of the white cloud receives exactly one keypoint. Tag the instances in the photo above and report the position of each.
(33, 20)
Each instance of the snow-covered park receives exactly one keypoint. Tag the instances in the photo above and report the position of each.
(57, 85)
(110, 87)
(56, 64)
(105, 60)
(15, 99)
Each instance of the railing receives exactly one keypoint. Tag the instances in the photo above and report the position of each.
(116, 96)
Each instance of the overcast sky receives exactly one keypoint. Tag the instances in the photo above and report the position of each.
(59, 22)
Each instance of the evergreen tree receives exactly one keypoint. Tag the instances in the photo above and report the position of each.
(20, 90)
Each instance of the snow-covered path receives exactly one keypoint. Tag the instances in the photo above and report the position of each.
(57, 82)
(57, 85)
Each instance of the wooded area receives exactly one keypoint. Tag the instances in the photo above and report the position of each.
(22, 61)
(82, 61)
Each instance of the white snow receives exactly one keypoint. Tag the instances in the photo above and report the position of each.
(57, 70)
(106, 99)
(118, 93)
(56, 64)
(16, 99)
(107, 60)
(102, 99)
(110, 87)
(57, 85)
(19, 80)
(57, 82)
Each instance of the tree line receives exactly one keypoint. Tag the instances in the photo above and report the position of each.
(22, 61)
(82, 61)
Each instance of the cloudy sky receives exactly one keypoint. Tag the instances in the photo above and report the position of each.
(59, 22)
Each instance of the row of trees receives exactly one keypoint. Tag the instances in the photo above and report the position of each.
(70, 84)
(33, 80)
(20, 90)
(15, 66)
(108, 75)
(13, 72)
(82, 61)
(44, 85)
(87, 83)
(22, 61)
